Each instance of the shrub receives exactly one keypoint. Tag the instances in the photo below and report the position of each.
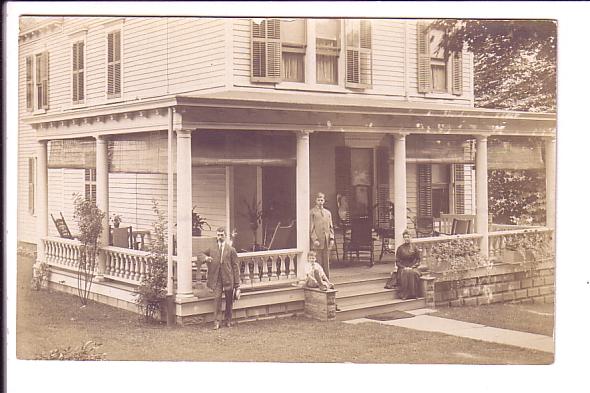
(40, 276)
(151, 291)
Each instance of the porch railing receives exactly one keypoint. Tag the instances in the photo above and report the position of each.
(498, 240)
(426, 245)
(263, 267)
(64, 253)
(126, 265)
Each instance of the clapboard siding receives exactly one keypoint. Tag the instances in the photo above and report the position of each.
(388, 56)
(209, 195)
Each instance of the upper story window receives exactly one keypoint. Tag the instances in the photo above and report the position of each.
(293, 44)
(358, 53)
(78, 72)
(266, 50)
(114, 64)
(327, 50)
(437, 70)
(37, 81)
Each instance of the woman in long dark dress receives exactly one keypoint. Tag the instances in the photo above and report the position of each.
(407, 260)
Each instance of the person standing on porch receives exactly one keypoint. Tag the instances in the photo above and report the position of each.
(321, 232)
(223, 276)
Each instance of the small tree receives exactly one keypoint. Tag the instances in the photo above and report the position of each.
(89, 218)
(151, 292)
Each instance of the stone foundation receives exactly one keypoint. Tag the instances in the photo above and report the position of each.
(504, 284)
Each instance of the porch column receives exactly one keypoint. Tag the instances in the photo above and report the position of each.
(550, 154)
(303, 200)
(184, 213)
(41, 195)
(481, 190)
(399, 187)
(102, 198)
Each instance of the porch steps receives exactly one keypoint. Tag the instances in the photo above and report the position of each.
(358, 298)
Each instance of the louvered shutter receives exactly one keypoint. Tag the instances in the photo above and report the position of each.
(45, 80)
(117, 59)
(457, 73)
(424, 190)
(366, 66)
(32, 174)
(459, 181)
(342, 178)
(114, 64)
(110, 65)
(29, 82)
(80, 71)
(383, 187)
(423, 49)
(266, 51)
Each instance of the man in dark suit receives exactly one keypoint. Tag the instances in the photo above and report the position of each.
(321, 232)
(223, 273)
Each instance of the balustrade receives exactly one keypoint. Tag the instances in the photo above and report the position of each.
(64, 253)
(127, 265)
(426, 245)
(262, 267)
(499, 241)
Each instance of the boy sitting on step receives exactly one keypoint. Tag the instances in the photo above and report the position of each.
(316, 278)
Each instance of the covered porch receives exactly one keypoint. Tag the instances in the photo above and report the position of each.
(303, 135)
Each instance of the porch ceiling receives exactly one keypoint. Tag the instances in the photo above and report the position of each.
(315, 112)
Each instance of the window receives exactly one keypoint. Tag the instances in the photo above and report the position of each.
(437, 70)
(78, 72)
(327, 50)
(32, 181)
(266, 50)
(114, 64)
(42, 80)
(90, 184)
(293, 43)
(358, 53)
(29, 82)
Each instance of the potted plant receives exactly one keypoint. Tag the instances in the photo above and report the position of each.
(254, 214)
(199, 223)
(116, 220)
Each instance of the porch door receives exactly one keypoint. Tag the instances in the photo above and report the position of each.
(361, 180)
(246, 202)
(278, 199)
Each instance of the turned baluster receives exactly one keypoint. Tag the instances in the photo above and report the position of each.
(273, 273)
(138, 263)
(256, 273)
(117, 258)
(246, 279)
(126, 265)
(68, 254)
(292, 264)
(263, 262)
(142, 269)
(283, 274)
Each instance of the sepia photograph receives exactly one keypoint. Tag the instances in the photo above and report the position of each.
(284, 188)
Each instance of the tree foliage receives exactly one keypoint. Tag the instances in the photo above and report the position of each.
(515, 61)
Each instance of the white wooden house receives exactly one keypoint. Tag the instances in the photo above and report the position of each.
(262, 111)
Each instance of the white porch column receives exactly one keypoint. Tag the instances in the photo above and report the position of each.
(550, 154)
(184, 213)
(303, 200)
(41, 196)
(102, 198)
(481, 190)
(399, 184)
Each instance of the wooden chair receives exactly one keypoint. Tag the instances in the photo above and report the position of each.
(361, 238)
(385, 226)
(122, 237)
(283, 237)
(62, 227)
(425, 226)
(461, 227)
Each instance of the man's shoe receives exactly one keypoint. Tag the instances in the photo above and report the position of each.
(228, 324)
(216, 325)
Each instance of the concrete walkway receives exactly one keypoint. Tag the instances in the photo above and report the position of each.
(422, 321)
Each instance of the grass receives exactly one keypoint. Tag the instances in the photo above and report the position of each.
(47, 320)
(530, 318)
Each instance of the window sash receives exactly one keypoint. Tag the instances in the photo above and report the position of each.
(293, 67)
(327, 69)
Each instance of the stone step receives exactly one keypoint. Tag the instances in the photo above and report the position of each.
(379, 307)
(366, 283)
(365, 296)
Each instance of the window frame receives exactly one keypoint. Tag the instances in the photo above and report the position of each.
(40, 81)
(329, 51)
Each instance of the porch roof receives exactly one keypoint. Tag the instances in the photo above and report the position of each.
(347, 113)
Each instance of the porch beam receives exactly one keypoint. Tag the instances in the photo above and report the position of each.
(41, 196)
(303, 200)
(184, 213)
(399, 186)
(550, 164)
(481, 190)
(102, 198)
